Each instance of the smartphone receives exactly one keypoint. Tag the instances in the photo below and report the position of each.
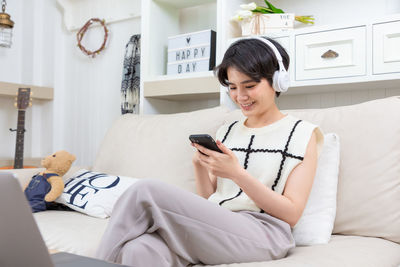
(205, 140)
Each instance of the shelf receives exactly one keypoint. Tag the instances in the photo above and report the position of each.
(344, 84)
(35, 162)
(337, 78)
(162, 93)
(183, 76)
(168, 94)
(38, 92)
(194, 86)
(184, 3)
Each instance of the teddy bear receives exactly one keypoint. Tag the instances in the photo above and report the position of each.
(47, 186)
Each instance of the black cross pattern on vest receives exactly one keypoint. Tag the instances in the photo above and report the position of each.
(250, 150)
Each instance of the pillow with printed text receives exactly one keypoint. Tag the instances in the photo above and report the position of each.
(94, 193)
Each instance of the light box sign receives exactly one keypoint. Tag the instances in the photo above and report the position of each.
(191, 52)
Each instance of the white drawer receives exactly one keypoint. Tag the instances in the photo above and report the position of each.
(386, 47)
(331, 54)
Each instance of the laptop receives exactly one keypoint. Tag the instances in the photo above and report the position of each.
(21, 243)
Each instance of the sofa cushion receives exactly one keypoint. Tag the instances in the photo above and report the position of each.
(156, 146)
(368, 200)
(341, 251)
(71, 231)
(94, 193)
(316, 223)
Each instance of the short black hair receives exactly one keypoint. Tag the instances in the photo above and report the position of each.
(253, 58)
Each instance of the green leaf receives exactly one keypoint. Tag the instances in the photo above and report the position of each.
(305, 19)
(263, 10)
(274, 9)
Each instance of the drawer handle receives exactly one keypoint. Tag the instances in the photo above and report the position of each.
(330, 54)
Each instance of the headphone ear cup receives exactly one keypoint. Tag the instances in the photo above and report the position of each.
(284, 81)
(275, 82)
(280, 81)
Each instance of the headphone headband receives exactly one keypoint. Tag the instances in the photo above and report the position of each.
(271, 45)
(274, 49)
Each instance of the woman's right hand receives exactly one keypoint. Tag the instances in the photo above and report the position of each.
(206, 184)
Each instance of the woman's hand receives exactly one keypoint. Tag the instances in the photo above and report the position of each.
(206, 183)
(224, 165)
(196, 158)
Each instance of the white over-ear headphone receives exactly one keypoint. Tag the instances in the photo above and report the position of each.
(280, 79)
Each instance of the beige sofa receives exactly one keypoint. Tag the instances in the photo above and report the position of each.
(367, 225)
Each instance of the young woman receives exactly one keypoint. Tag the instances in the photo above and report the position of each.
(249, 196)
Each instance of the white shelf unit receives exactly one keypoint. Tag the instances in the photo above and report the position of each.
(366, 43)
(194, 86)
(163, 93)
(37, 92)
(168, 94)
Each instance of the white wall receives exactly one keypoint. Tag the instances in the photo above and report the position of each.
(92, 89)
(27, 61)
(86, 90)
(88, 96)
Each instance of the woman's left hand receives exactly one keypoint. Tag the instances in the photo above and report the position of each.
(224, 165)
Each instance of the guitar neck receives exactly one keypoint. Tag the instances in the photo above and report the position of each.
(19, 145)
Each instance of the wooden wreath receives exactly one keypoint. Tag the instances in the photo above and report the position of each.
(82, 32)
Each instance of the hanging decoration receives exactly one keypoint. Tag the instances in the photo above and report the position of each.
(82, 31)
(6, 26)
(130, 87)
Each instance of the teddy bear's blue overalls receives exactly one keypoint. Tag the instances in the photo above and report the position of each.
(36, 191)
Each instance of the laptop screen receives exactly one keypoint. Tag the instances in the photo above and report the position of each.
(20, 241)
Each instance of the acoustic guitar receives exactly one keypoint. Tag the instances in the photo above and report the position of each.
(23, 100)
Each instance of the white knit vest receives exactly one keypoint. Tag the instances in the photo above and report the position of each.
(269, 154)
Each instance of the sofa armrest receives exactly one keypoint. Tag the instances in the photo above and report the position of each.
(25, 175)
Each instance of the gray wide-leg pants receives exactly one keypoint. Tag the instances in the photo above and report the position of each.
(157, 224)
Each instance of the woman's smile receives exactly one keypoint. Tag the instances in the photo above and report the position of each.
(247, 106)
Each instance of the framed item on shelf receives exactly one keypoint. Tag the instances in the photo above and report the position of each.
(191, 52)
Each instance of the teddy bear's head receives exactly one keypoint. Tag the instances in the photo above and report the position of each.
(59, 162)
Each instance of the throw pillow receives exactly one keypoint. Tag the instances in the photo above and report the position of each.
(94, 193)
(316, 223)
